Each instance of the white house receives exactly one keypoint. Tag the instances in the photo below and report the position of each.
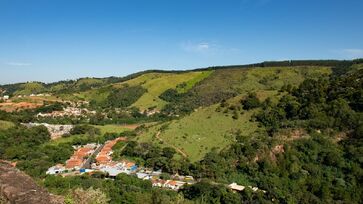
(236, 187)
(143, 176)
(57, 169)
(112, 171)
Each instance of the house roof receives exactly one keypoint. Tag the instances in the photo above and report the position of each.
(103, 156)
(130, 164)
(171, 182)
(72, 163)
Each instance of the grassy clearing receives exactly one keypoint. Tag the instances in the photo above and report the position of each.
(195, 80)
(112, 128)
(201, 131)
(97, 95)
(157, 83)
(66, 139)
(5, 125)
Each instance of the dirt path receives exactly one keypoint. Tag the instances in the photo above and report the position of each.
(176, 148)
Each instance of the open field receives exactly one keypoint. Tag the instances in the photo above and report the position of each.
(114, 128)
(201, 131)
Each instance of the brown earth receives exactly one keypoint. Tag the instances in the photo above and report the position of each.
(11, 106)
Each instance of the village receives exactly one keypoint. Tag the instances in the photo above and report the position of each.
(93, 158)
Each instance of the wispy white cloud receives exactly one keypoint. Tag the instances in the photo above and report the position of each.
(18, 64)
(208, 48)
(201, 47)
(350, 53)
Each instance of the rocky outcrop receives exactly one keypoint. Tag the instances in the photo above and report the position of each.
(19, 188)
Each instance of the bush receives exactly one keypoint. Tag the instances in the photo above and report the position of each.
(124, 97)
(251, 102)
(85, 129)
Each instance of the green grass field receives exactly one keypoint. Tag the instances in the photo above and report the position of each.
(111, 128)
(97, 95)
(5, 125)
(201, 131)
(157, 83)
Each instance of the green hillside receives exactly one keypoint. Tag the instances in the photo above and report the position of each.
(30, 88)
(205, 129)
(157, 83)
(199, 132)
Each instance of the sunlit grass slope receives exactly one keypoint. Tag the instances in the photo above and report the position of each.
(157, 83)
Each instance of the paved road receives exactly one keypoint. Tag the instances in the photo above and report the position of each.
(88, 162)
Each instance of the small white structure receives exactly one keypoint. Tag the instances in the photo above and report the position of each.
(236, 187)
(143, 176)
(57, 169)
(6, 97)
(112, 171)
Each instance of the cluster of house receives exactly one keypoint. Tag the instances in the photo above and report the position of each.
(104, 162)
(77, 161)
(81, 162)
(55, 131)
(68, 111)
(150, 112)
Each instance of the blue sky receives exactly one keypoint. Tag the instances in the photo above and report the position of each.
(50, 40)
